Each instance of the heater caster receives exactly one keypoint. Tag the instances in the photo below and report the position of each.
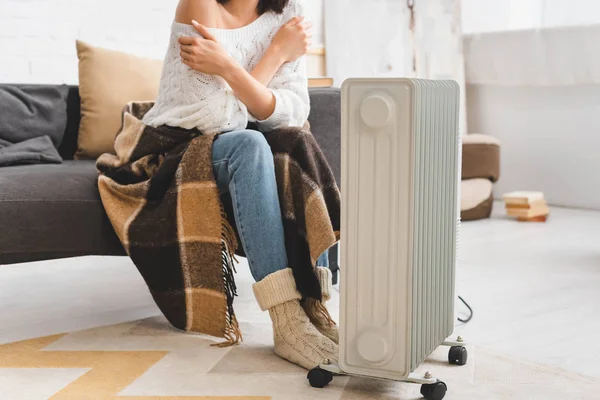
(457, 355)
(434, 391)
(319, 378)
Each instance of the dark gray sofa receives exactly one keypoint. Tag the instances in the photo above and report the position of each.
(54, 211)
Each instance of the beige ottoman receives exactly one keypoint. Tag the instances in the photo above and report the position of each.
(480, 168)
(476, 199)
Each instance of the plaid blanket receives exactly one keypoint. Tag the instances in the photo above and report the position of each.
(161, 197)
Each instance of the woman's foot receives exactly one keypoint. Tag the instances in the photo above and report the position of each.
(296, 338)
(316, 310)
(320, 318)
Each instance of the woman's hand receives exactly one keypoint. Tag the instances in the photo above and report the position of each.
(293, 39)
(206, 54)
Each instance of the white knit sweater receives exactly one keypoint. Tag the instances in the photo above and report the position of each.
(189, 99)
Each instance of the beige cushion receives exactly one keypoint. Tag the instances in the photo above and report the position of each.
(478, 138)
(481, 157)
(108, 80)
(476, 199)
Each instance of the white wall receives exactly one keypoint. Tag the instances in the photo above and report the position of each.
(390, 38)
(549, 138)
(494, 15)
(557, 13)
(504, 15)
(37, 37)
(538, 91)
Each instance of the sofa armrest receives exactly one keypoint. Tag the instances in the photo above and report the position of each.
(480, 157)
(325, 122)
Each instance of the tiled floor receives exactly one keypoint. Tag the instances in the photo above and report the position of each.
(535, 289)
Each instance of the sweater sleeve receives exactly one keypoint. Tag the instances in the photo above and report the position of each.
(292, 104)
(290, 88)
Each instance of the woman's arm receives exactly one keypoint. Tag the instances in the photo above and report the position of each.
(267, 67)
(258, 98)
(291, 42)
(207, 56)
(205, 11)
(290, 87)
(292, 102)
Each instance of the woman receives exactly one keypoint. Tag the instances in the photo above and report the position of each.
(231, 63)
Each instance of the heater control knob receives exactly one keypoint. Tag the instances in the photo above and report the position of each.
(376, 111)
(372, 346)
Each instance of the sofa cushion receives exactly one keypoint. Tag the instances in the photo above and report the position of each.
(39, 150)
(481, 157)
(32, 111)
(476, 199)
(53, 211)
(108, 80)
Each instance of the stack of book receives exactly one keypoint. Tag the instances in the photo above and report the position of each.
(526, 206)
(320, 82)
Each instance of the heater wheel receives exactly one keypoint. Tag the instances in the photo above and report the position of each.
(319, 378)
(434, 391)
(457, 355)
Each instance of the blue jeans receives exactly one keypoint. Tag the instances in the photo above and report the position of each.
(244, 168)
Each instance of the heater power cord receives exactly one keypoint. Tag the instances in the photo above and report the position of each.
(464, 321)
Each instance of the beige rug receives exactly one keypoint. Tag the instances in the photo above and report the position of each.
(148, 360)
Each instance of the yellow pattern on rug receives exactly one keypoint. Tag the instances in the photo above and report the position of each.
(110, 371)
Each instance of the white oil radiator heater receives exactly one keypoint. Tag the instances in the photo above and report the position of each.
(400, 218)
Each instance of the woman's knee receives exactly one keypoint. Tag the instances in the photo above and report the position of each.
(253, 143)
(244, 149)
(253, 139)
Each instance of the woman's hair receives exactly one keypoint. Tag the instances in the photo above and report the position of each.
(267, 5)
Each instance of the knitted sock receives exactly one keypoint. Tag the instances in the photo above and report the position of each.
(316, 310)
(296, 338)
